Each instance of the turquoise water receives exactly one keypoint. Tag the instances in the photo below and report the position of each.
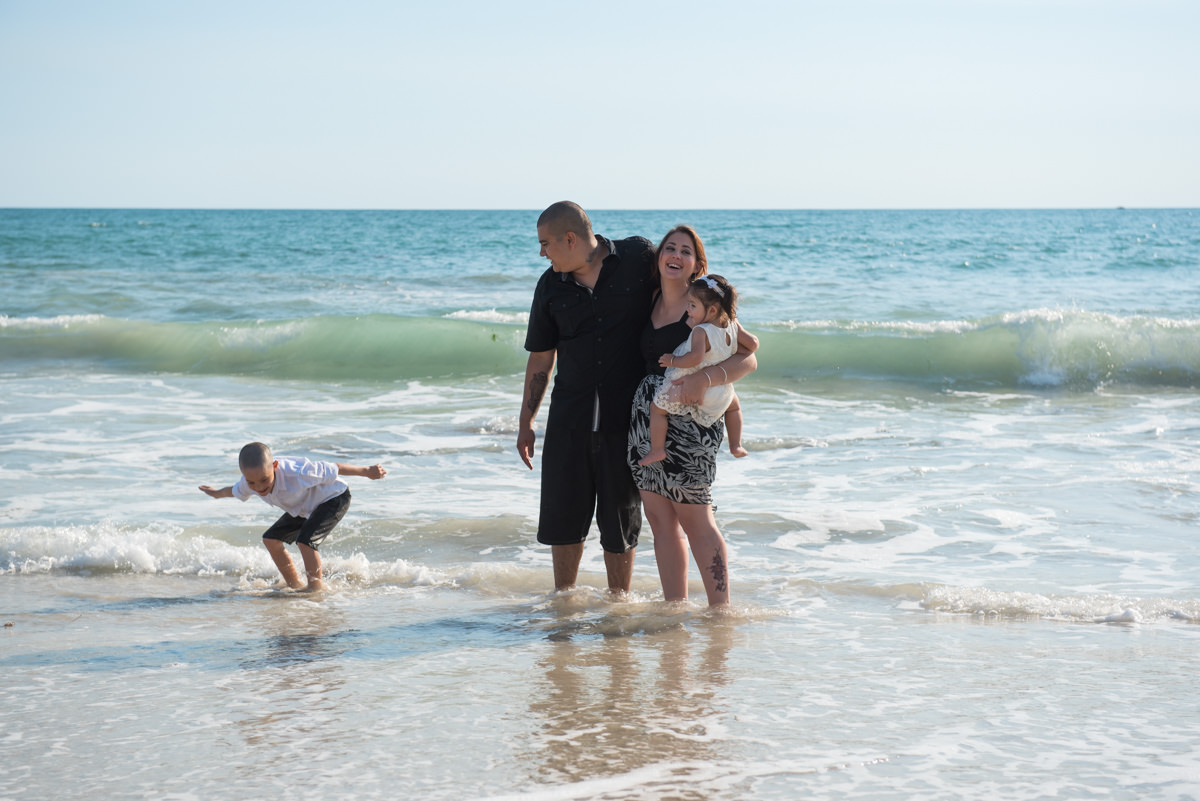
(964, 552)
(1005, 297)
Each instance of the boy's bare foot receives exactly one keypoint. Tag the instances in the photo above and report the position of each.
(738, 451)
(316, 585)
(653, 456)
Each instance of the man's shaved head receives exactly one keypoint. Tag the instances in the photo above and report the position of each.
(565, 217)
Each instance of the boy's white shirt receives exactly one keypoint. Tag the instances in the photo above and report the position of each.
(300, 487)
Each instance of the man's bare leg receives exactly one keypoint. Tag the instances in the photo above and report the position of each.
(620, 571)
(566, 565)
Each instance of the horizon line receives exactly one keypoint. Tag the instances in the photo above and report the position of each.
(603, 208)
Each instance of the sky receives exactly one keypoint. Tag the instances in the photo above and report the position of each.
(508, 104)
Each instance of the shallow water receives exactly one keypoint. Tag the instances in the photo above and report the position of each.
(963, 547)
(186, 687)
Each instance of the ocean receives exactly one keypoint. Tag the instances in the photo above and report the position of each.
(963, 548)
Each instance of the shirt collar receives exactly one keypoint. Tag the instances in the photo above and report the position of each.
(608, 244)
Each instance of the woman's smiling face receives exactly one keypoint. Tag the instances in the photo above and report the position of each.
(677, 258)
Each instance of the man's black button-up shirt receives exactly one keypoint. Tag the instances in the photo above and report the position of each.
(596, 334)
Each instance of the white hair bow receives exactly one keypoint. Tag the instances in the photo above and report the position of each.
(714, 286)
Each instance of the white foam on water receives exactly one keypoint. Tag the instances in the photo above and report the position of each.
(107, 547)
(490, 316)
(58, 321)
(1094, 608)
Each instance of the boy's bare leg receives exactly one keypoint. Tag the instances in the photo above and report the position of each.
(658, 437)
(733, 428)
(312, 566)
(279, 555)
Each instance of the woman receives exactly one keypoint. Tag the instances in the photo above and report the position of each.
(677, 492)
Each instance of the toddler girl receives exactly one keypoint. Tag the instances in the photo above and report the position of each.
(711, 313)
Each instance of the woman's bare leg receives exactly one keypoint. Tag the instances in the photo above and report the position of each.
(708, 548)
(670, 546)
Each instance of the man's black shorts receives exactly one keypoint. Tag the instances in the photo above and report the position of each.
(310, 530)
(585, 473)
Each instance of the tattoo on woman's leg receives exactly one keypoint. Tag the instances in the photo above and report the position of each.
(718, 572)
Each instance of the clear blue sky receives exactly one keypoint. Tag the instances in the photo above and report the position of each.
(511, 104)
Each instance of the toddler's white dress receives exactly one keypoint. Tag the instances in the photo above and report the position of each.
(722, 342)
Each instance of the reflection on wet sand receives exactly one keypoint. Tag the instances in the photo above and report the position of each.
(291, 682)
(614, 703)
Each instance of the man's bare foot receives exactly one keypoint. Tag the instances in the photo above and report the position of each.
(653, 456)
(617, 596)
(738, 451)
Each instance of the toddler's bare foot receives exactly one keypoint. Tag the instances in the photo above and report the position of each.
(738, 451)
(653, 456)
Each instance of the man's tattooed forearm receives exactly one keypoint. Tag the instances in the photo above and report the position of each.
(537, 389)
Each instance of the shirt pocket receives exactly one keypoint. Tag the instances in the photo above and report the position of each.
(571, 314)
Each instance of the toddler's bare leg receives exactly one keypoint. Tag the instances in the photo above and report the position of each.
(658, 436)
(733, 428)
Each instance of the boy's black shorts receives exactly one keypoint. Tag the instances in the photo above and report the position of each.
(586, 473)
(310, 530)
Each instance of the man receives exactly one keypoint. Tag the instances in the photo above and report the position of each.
(588, 312)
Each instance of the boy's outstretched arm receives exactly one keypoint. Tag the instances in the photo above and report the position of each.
(374, 472)
(213, 492)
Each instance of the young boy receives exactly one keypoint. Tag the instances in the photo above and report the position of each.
(311, 495)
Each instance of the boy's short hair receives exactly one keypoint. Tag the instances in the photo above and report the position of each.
(254, 455)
